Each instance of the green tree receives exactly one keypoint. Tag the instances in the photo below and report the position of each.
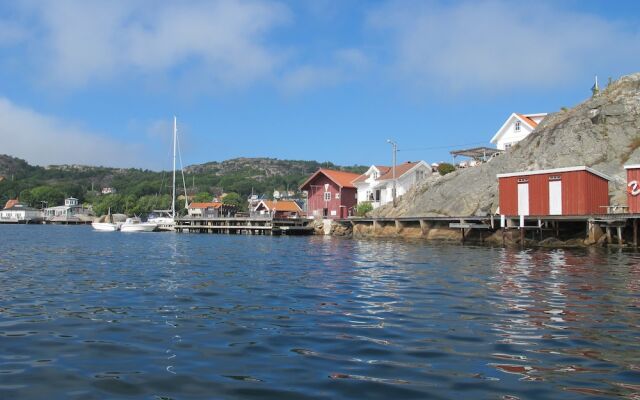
(446, 168)
(202, 197)
(235, 199)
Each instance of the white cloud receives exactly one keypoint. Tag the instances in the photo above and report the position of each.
(345, 65)
(497, 45)
(85, 41)
(42, 140)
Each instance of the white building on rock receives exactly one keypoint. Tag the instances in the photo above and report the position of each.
(516, 128)
(376, 184)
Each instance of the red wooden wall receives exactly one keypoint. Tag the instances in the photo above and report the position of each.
(583, 193)
(633, 174)
(315, 199)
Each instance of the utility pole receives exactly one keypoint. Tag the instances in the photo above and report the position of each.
(394, 146)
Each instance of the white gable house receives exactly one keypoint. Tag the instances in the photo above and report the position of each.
(516, 128)
(376, 185)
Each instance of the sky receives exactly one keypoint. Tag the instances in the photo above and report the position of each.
(98, 83)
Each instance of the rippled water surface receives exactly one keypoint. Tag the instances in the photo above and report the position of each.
(93, 315)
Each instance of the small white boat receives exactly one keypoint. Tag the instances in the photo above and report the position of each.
(106, 226)
(135, 224)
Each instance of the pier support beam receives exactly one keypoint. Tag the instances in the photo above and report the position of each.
(424, 227)
(398, 226)
(635, 232)
(619, 235)
(376, 227)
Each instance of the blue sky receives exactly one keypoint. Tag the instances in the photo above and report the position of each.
(96, 82)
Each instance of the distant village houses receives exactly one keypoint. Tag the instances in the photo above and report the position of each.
(281, 209)
(211, 210)
(108, 190)
(14, 212)
(71, 211)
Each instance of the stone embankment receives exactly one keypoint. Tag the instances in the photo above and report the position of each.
(432, 231)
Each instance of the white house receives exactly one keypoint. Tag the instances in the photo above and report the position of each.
(20, 213)
(516, 128)
(70, 211)
(376, 184)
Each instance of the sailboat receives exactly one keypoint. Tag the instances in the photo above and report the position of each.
(166, 219)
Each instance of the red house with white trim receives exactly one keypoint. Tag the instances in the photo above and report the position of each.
(559, 191)
(331, 194)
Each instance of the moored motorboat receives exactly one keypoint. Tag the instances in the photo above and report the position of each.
(135, 224)
(106, 226)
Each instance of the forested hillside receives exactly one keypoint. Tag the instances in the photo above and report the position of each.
(138, 191)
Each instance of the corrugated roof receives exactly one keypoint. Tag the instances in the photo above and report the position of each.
(342, 178)
(528, 120)
(282, 205)
(400, 170)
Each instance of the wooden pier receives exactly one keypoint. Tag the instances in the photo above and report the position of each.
(619, 229)
(245, 226)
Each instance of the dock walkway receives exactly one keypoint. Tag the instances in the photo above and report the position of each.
(245, 225)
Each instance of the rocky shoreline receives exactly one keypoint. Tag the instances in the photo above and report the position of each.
(567, 238)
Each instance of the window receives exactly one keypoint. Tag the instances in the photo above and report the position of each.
(555, 178)
(377, 198)
(523, 180)
(517, 127)
(375, 175)
(507, 146)
(337, 196)
(327, 196)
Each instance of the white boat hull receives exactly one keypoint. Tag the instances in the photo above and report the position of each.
(141, 227)
(164, 223)
(105, 226)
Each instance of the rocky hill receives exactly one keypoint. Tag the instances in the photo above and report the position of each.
(603, 132)
(264, 167)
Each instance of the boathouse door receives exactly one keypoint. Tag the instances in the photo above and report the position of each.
(555, 197)
(523, 198)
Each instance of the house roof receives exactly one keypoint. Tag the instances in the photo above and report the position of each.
(341, 178)
(206, 205)
(11, 203)
(381, 168)
(555, 171)
(522, 117)
(19, 207)
(282, 205)
(400, 170)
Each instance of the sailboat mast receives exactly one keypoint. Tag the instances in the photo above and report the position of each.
(173, 193)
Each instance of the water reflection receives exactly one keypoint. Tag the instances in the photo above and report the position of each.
(201, 316)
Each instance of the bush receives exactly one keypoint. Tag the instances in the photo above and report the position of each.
(363, 208)
(446, 168)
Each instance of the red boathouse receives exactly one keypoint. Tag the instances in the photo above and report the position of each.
(559, 191)
(633, 188)
(330, 193)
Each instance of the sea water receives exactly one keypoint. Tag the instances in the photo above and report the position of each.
(94, 315)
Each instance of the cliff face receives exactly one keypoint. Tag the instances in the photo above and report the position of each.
(602, 132)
